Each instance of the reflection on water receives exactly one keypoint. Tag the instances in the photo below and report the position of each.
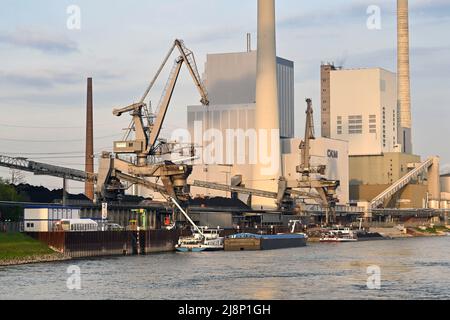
(412, 268)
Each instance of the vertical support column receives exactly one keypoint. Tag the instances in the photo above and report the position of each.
(434, 185)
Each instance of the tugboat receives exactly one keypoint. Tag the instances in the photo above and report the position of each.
(202, 239)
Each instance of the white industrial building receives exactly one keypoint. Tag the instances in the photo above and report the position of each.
(329, 152)
(445, 191)
(42, 219)
(362, 110)
(230, 79)
(231, 83)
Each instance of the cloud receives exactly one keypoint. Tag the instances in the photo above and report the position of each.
(356, 11)
(42, 81)
(49, 78)
(39, 40)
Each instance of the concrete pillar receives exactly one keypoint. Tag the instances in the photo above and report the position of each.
(266, 173)
(434, 184)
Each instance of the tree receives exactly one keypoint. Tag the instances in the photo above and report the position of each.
(9, 193)
(17, 177)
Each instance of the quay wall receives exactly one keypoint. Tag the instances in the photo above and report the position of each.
(109, 243)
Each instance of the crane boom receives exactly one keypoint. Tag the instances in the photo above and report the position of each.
(164, 106)
(187, 57)
(152, 83)
(146, 138)
(146, 144)
(305, 167)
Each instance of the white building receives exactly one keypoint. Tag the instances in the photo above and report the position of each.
(230, 80)
(329, 152)
(42, 219)
(231, 83)
(363, 110)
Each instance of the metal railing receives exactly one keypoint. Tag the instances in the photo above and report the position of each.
(11, 227)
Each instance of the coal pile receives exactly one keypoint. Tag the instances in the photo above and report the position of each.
(218, 202)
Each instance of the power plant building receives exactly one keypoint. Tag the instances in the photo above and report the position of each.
(360, 106)
(230, 80)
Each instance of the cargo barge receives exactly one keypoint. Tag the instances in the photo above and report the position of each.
(251, 242)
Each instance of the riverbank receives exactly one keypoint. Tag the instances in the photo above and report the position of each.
(398, 232)
(17, 248)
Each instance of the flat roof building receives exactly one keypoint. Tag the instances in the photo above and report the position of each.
(360, 106)
(230, 79)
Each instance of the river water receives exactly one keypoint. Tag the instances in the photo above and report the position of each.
(416, 268)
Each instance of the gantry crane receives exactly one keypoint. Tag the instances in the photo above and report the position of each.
(146, 146)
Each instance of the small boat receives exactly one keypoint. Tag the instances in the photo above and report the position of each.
(339, 235)
(203, 239)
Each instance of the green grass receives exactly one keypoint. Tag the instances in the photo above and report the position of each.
(17, 246)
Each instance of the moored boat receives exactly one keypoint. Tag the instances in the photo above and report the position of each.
(203, 239)
(338, 235)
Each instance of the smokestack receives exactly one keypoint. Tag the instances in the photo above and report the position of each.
(249, 42)
(266, 114)
(403, 76)
(89, 162)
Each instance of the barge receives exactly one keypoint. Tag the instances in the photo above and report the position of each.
(251, 242)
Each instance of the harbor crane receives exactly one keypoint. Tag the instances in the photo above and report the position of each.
(137, 159)
(311, 184)
(311, 176)
(146, 145)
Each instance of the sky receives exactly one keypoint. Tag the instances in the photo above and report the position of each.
(44, 64)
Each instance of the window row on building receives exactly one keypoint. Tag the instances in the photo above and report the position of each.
(355, 124)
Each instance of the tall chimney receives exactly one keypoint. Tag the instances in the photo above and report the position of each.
(89, 162)
(403, 76)
(267, 114)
